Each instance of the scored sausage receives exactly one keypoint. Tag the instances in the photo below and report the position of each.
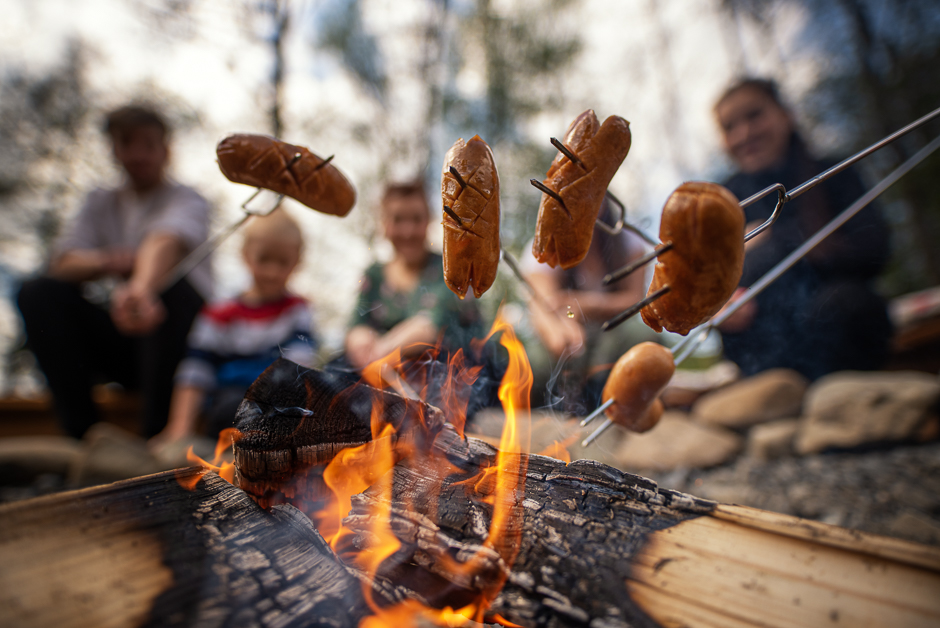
(265, 162)
(563, 232)
(706, 227)
(635, 383)
(471, 217)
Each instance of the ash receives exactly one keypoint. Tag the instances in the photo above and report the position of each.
(894, 492)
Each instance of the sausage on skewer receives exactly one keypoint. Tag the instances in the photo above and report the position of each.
(705, 226)
(574, 189)
(265, 162)
(635, 383)
(470, 193)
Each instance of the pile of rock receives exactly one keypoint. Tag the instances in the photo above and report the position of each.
(778, 413)
(854, 449)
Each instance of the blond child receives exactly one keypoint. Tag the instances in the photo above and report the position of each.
(233, 341)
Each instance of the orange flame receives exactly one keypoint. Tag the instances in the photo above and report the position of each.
(559, 449)
(351, 472)
(502, 486)
(514, 392)
(226, 469)
(356, 469)
(459, 379)
(376, 374)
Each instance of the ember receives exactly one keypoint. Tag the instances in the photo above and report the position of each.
(354, 470)
(226, 469)
(323, 482)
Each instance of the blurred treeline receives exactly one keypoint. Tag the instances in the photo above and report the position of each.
(879, 68)
(881, 72)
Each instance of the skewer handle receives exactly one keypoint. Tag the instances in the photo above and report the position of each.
(636, 307)
(596, 413)
(514, 267)
(593, 437)
(617, 275)
(200, 253)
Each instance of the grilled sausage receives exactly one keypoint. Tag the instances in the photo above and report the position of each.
(706, 226)
(265, 162)
(471, 217)
(635, 383)
(564, 230)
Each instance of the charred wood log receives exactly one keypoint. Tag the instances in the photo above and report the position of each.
(598, 547)
(582, 526)
(595, 547)
(294, 420)
(148, 552)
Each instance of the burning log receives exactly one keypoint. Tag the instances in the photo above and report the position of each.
(293, 421)
(150, 552)
(577, 544)
(585, 544)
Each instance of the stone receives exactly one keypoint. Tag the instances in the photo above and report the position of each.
(25, 457)
(773, 394)
(676, 442)
(689, 385)
(111, 454)
(773, 440)
(852, 409)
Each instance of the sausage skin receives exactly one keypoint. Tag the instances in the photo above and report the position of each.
(635, 383)
(262, 161)
(561, 240)
(706, 226)
(471, 246)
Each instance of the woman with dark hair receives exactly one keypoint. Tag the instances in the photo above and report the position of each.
(573, 358)
(823, 314)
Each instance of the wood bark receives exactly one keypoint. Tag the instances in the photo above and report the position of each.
(600, 548)
(588, 545)
(148, 552)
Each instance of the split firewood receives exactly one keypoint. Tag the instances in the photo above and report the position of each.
(597, 546)
(591, 545)
(150, 552)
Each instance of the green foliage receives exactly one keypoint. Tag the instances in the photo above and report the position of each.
(342, 31)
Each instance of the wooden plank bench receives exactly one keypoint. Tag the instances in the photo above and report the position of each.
(36, 416)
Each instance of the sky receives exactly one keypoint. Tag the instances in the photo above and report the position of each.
(660, 64)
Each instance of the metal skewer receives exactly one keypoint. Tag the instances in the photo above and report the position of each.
(555, 195)
(783, 196)
(567, 152)
(459, 178)
(514, 267)
(694, 339)
(201, 252)
(636, 307)
(617, 275)
(453, 214)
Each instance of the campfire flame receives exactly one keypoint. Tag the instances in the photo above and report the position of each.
(370, 466)
(559, 449)
(226, 470)
(501, 486)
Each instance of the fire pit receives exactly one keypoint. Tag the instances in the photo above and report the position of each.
(379, 512)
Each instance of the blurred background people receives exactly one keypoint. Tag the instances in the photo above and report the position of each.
(133, 234)
(823, 314)
(405, 303)
(573, 357)
(233, 341)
